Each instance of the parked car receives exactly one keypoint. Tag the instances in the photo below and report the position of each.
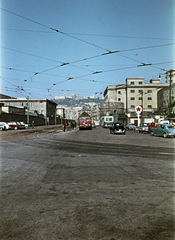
(14, 125)
(117, 127)
(144, 127)
(6, 125)
(164, 130)
(24, 125)
(130, 126)
(1, 127)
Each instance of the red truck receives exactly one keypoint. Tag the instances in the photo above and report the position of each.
(85, 121)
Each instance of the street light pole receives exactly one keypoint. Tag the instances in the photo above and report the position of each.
(170, 97)
(28, 110)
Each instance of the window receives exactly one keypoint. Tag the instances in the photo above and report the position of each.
(119, 99)
(109, 119)
(149, 98)
(140, 83)
(132, 106)
(149, 91)
(132, 91)
(140, 91)
(132, 83)
(149, 106)
(140, 98)
(132, 98)
(119, 92)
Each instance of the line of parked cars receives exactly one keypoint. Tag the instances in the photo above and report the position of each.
(160, 129)
(13, 125)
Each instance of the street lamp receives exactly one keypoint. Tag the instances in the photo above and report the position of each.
(28, 110)
(142, 93)
(171, 71)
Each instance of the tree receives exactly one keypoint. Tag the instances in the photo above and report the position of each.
(172, 103)
(122, 115)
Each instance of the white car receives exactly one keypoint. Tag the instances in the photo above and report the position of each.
(24, 125)
(6, 125)
(1, 127)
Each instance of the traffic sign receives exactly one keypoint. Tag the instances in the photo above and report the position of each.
(138, 109)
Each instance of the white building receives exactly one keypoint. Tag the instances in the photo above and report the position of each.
(135, 92)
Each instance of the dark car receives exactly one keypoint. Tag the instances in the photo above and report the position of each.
(117, 127)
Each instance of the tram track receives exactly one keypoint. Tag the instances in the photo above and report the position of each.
(52, 141)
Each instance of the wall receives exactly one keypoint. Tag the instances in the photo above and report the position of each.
(5, 117)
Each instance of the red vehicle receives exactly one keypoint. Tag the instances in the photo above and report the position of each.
(14, 125)
(85, 121)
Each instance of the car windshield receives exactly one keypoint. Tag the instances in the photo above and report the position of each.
(108, 119)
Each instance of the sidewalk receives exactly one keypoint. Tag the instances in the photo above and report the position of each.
(42, 128)
(37, 129)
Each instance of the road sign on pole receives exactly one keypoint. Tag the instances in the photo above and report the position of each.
(138, 109)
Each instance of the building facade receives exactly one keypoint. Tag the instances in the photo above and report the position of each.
(163, 96)
(42, 107)
(136, 93)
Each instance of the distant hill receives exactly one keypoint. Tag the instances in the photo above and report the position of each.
(84, 103)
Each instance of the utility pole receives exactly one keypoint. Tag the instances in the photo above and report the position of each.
(126, 99)
(142, 107)
(170, 97)
(46, 114)
(28, 110)
(55, 116)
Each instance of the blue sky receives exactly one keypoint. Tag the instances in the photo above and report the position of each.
(49, 48)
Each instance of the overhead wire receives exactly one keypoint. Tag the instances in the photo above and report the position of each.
(56, 30)
(108, 51)
(91, 34)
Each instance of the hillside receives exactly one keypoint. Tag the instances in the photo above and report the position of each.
(85, 103)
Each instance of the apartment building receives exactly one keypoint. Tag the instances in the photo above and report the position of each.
(136, 92)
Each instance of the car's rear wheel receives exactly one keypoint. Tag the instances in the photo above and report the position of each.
(152, 134)
(165, 135)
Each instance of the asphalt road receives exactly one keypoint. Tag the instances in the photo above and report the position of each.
(86, 184)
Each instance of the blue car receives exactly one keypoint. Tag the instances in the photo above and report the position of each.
(163, 130)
